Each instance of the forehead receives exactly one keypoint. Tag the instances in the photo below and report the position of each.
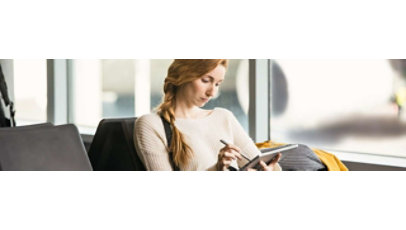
(217, 73)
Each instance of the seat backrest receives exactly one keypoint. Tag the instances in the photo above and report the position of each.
(25, 127)
(113, 147)
(42, 147)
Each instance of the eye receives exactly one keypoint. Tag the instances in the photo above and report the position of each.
(204, 80)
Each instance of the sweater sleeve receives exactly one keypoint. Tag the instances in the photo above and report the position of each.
(244, 141)
(150, 144)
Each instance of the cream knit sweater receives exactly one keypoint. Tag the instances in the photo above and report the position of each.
(202, 135)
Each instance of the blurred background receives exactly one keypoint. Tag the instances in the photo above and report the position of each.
(343, 105)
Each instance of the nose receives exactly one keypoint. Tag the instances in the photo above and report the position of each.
(211, 91)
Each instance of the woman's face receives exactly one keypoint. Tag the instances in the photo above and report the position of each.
(201, 90)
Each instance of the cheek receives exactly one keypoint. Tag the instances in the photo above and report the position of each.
(199, 86)
(191, 90)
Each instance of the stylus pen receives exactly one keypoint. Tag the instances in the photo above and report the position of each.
(224, 142)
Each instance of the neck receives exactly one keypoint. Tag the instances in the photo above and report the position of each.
(184, 109)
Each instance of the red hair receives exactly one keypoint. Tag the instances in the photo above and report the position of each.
(181, 72)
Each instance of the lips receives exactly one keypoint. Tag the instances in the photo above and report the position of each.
(205, 99)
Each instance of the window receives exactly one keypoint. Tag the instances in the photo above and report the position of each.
(234, 91)
(30, 90)
(102, 89)
(340, 105)
(110, 88)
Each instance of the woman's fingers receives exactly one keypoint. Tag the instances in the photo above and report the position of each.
(226, 165)
(227, 162)
(275, 160)
(263, 165)
(238, 155)
(227, 155)
(231, 146)
(232, 154)
(271, 165)
(266, 167)
(234, 149)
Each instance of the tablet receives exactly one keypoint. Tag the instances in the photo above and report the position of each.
(267, 156)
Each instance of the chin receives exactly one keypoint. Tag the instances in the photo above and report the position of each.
(201, 104)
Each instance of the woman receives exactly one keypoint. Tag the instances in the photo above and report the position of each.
(196, 133)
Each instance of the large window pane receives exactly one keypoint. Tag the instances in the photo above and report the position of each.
(102, 89)
(118, 88)
(30, 89)
(340, 105)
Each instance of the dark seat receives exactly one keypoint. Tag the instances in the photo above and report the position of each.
(113, 148)
(42, 147)
(47, 124)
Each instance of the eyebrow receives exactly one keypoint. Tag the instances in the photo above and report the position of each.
(212, 78)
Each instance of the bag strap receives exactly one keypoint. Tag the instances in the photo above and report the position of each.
(168, 134)
(12, 114)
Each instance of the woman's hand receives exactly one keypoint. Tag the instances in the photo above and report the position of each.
(270, 166)
(226, 155)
